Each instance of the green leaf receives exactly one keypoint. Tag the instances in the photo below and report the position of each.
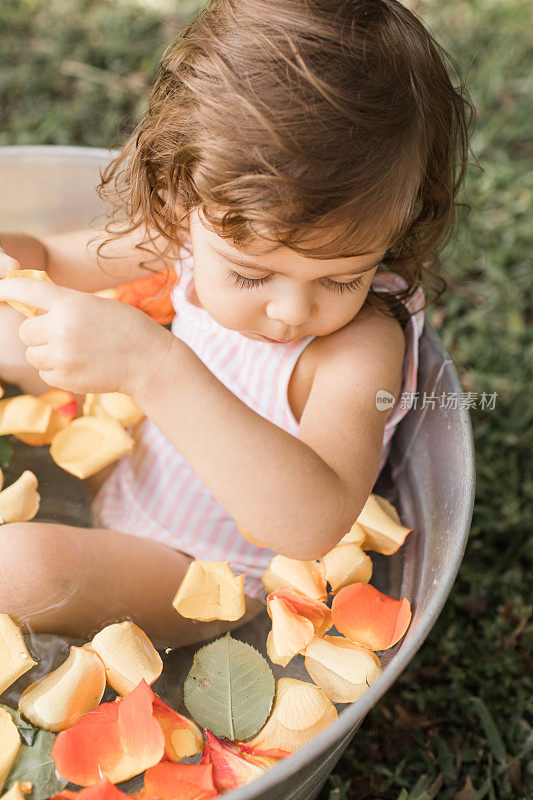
(26, 730)
(35, 764)
(6, 452)
(229, 689)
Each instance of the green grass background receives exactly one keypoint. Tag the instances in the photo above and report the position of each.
(457, 723)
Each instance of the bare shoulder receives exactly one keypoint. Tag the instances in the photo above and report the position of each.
(372, 341)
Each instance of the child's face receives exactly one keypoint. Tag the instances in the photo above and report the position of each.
(301, 296)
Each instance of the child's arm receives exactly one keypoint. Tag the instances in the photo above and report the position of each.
(71, 258)
(297, 496)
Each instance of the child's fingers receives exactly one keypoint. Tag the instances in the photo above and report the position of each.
(40, 358)
(33, 331)
(7, 264)
(38, 294)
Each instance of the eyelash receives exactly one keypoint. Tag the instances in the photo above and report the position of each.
(254, 283)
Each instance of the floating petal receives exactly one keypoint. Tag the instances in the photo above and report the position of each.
(128, 656)
(113, 404)
(209, 591)
(115, 741)
(9, 745)
(345, 564)
(151, 294)
(384, 532)
(233, 767)
(370, 618)
(64, 408)
(302, 576)
(356, 535)
(88, 444)
(290, 632)
(180, 781)
(295, 620)
(183, 737)
(24, 414)
(300, 711)
(343, 670)
(103, 790)
(14, 657)
(20, 501)
(58, 700)
(17, 791)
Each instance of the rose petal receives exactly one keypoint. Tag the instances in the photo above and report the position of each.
(168, 781)
(115, 741)
(368, 617)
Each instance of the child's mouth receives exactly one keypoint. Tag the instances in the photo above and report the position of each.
(268, 339)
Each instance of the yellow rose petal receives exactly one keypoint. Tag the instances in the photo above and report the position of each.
(88, 444)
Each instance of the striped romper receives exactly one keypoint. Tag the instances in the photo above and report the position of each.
(154, 492)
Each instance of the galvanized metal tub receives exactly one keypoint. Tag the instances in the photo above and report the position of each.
(430, 478)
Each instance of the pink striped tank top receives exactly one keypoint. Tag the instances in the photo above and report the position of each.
(153, 490)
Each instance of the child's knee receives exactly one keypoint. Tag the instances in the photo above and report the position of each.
(39, 567)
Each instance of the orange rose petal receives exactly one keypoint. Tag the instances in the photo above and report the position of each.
(272, 752)
(295, 620)
(151, 295)
(367, 617)
(183, 737)
(168, 781)
(68, 794)
(316, 612)
(115, 741)
(233, 766)
(64, 402)
(290, 632)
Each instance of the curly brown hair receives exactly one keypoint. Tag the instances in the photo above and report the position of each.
(327, 123)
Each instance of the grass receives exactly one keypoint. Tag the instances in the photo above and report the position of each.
(457, 724)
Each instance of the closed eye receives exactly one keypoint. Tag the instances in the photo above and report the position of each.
(254, 283)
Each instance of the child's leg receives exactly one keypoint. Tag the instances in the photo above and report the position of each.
(73, 581)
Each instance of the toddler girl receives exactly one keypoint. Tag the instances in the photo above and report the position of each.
(298, 164)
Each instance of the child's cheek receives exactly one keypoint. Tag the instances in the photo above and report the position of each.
(224, 302)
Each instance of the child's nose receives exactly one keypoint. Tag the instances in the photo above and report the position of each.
(292, 307)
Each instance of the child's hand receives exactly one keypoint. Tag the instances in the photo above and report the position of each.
(82, 343)
(7, 264)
